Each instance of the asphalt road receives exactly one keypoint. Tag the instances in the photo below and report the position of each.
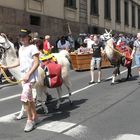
(99, 111)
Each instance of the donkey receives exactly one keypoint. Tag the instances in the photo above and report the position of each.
(113, 55)
(8, 56)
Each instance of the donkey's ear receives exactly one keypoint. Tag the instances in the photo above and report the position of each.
(106, 31)
(4, 35)
(2, 39)
(110, 31)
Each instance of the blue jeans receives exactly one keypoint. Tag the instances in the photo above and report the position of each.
(137, 60)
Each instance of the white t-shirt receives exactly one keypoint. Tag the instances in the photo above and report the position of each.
(137, 45)
(26, 61)
(89, 42)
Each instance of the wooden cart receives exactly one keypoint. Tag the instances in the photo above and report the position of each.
(82, 61)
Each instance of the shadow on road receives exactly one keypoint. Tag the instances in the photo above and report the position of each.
(122, 79)
(62, 113)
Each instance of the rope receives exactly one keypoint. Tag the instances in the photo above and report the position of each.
(7, 78)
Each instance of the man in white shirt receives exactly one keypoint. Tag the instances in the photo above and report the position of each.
(89, 41)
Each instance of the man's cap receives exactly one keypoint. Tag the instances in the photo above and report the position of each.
(24, 32)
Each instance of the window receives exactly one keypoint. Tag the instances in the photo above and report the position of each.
(118, 11)
(107, 8)
(138, 18)
(126, 13)
(133, 16)
(94, 7)
(35, 20)
(70, 3)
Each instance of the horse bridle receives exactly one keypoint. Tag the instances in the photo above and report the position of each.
(3, 50)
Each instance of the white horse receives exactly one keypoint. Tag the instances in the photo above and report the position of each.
(113, 55)
(8, 56)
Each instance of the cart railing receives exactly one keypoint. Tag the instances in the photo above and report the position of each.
(82, 61)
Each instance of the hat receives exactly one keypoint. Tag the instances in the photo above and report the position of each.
(24, 32)
(45, 57)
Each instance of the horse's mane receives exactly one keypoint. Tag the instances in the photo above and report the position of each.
(12, 49)
(8, 45)
(110, 42)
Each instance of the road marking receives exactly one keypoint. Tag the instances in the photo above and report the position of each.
(8, 118)
(10, 97)
(79, 132)
(127, 137)
(57, 126)
(67, 128)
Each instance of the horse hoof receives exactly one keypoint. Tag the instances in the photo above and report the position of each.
(46, 112)
(45, 109)
(71, 103)
(112, 84)
(56, 109)
(49, 98)
(127, 79)
(62, 100)
(19, 117)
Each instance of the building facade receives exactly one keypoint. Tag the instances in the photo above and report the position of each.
(59, 17)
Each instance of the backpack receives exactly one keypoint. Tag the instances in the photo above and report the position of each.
(53, 75)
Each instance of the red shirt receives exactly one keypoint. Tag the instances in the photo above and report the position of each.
(46, 45)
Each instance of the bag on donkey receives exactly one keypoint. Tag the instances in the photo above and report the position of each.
(53, 75)
(126, 60)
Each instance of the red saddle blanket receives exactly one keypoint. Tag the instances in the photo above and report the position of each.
(53, 75)
(126, 53)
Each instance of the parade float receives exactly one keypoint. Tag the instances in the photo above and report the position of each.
(81, 59)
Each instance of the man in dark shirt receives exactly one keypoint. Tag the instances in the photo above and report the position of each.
(97, 48)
